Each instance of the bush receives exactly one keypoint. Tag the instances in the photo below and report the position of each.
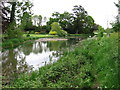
(53, 33)
(63, 32)
(37, 32)
(32, 32)
(57, 30)
(28, 35)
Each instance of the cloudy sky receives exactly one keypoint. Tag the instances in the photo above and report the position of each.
(102, 11)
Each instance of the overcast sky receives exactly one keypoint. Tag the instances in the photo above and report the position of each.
(102, 11)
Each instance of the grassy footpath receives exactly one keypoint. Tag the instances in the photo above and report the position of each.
(93, 63)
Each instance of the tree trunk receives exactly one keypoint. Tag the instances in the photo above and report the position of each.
(12, 13)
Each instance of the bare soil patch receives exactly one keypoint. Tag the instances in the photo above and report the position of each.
(51, 39)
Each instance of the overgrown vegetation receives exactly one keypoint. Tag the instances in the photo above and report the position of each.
(93, 64)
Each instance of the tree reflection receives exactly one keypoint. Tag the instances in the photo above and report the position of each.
(27, 48)
(56, 45)
(11, 66)
(37, 47)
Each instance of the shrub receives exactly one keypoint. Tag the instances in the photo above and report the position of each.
(37, 32)
(53, 33)
(63, 32)
(57, 30)
(32, 32)
(28, 35)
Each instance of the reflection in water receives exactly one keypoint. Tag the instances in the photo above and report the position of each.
(30, 56)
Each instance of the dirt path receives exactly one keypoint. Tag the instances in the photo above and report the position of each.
(51, 39)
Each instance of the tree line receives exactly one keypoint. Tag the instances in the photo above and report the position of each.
(18, 17)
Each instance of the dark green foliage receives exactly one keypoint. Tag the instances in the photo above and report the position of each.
(15, 40)
(75, 23)
(116, 27)
(83, 23)
(28, 35)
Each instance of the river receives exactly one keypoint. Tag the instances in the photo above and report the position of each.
(31, 56)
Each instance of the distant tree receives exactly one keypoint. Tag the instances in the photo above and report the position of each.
(51, 20)
(35, 19)
(45, 19)
(18, 12)
(116, 24)
(64, 19)
(79, 18)
(4, 16)
(12, 13)
(57, 29)
(89, 25)
(77, 22)
(7, 13)
(55, 26)
(83, 23)
(26, 21)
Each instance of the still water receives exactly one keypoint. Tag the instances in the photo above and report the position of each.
(32, 55)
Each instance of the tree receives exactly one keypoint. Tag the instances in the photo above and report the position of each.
(18, 13)
(64, 19)
(5, 15)
(26, 21)
(44, 19)
(79, 18)
(116, 25)
(34, 18)
(77, 22)
(12, 13)
(37, 19)
(83, 23)
(89, 25)
(56, 28)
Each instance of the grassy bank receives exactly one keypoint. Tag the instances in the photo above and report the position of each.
(93, 63)
(41, 35)
(11, 43)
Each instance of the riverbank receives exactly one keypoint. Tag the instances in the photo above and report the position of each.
(12, 43)
(92, 64)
